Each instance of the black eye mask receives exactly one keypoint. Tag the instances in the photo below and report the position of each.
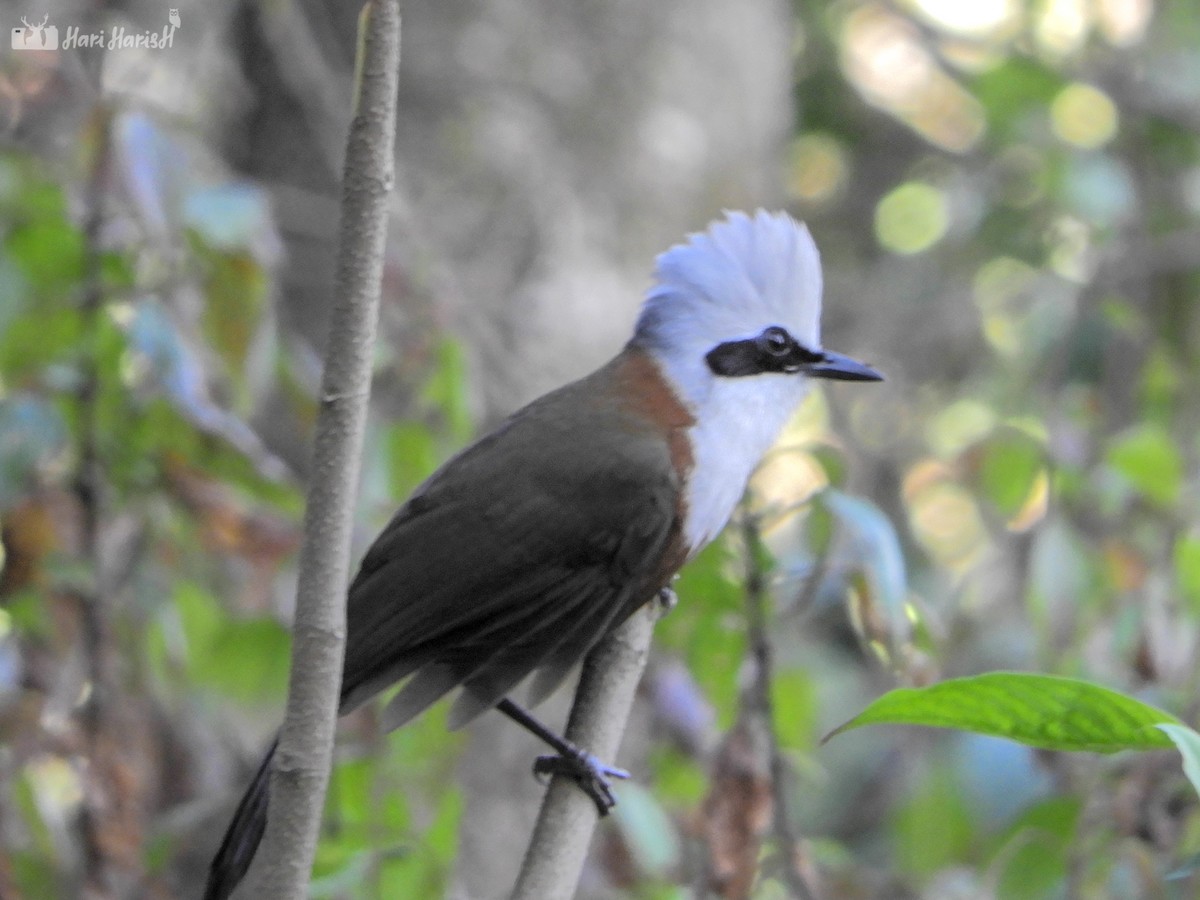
(775, 350)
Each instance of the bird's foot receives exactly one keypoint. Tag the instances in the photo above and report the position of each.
(592, 776)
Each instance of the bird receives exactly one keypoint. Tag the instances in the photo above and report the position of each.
(509, 563)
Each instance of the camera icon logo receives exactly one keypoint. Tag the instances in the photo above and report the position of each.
(35, 37)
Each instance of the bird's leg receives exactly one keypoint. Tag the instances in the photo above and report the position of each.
(586, 770)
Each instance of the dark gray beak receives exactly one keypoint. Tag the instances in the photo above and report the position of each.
(836, 367)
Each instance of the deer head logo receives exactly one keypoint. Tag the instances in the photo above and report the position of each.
(35, 32)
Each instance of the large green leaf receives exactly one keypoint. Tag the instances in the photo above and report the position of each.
(1045, 711)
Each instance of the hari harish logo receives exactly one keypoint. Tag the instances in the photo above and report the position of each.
(46, 37)
(41, 36)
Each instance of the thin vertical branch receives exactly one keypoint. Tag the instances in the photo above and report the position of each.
(302, 763)
(88, 488)
(558, 848)
(759, 696)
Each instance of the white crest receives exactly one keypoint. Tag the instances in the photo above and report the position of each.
(733, 280)
(728, 283)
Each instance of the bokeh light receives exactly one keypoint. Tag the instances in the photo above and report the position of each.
(886, 59)
(970, 18)
(943, 515)
(911, 218)
(817, 169)
(1123, 22)
(1084, 116)
(1061, 26)
(958, 425)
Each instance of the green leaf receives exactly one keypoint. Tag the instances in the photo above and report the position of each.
(1010, 91)
(22, 800)
(1150, 461)
(1009, 463)
(200, 618)
(246, 661)
(707, 628)
(446, 390)
(424, 872)
(412, 456)
(340, 865)
(1044, 711)
(35, 339)
(1187, 742)
(934, 827)
(1187, 569)
(35, 875)
(351, 790)
(1035, 853)
(365, 813)
(442, 835)
(50, 253)
(795, 704)
(678, 779)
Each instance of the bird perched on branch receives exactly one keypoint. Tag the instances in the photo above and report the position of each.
(524, 550)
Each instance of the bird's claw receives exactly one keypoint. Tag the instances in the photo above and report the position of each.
(585, 770)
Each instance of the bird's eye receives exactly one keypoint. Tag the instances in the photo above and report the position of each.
(775, 341)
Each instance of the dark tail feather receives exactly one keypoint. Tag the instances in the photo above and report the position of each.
(242, 837)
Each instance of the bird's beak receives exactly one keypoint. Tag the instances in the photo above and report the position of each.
(837, 367)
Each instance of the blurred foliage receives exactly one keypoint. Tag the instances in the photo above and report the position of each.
(1006, 197)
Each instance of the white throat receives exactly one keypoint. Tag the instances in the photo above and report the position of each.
(737, 421)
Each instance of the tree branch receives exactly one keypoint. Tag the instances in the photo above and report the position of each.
(89, 488)
(758, 697)
(567, 818)
(305, 753)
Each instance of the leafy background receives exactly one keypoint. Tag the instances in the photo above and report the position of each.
(1006, 198)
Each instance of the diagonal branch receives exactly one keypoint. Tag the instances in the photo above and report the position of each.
(559, 845)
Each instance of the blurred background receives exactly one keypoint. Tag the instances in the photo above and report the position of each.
(1006, 194)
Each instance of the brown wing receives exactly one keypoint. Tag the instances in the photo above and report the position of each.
(517, 556)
